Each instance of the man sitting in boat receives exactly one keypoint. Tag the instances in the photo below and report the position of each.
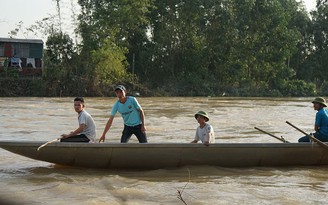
(86, 132)
(133, 117)
(205, 131)
(321, 121)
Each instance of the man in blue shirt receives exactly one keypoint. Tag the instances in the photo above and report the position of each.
(133, 117)
(321, 121)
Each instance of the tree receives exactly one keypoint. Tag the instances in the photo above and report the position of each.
(58, 66)
(320, 42)
(110, 66)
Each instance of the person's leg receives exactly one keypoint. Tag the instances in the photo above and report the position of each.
(321, 137)
(76, 138)
(304, 139)
(126, 134)
(142, 138)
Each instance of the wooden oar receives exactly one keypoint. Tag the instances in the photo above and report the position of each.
(278, 138)
(322, 144)
(45, 144)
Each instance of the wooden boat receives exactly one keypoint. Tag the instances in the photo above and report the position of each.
(165, 155)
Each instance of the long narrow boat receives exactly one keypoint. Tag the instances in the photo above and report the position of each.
(165, 155)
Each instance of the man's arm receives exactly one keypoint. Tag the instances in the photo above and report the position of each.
(75, 132)
(108, 125)
(142, 118)
(316, 128)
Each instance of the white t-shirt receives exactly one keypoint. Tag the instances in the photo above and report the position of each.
(205, 134)
(90, 130)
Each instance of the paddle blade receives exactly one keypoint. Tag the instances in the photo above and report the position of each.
(45, 144)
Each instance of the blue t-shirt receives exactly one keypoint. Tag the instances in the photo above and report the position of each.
(128, 110)
(321, 120)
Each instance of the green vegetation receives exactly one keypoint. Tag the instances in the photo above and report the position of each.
(190, 48)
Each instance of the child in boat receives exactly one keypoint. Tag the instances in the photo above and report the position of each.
(321, 121)
(205, 131)
(86, 132)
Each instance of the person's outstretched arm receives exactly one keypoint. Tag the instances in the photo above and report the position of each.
(108, 125)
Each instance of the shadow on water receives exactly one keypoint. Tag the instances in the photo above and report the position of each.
(54, 173)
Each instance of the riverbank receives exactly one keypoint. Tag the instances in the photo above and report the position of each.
(38, 87)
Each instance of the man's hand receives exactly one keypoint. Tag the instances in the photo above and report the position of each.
(102, 138)
(143, 128)
(64, 136)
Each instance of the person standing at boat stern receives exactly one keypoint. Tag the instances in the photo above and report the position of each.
(321, 121)
(133, 117)
(205, 131)
(86, 132)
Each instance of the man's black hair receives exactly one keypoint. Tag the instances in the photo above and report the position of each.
(79, 99)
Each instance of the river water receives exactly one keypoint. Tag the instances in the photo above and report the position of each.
(26, 181)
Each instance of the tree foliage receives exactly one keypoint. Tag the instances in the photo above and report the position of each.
(320, 43)
(109, 65)
(195, 47)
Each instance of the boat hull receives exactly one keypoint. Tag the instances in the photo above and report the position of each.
(165, 155)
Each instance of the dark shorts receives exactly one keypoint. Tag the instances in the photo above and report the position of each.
(76, 138)
(317, 135)
(136, 130)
